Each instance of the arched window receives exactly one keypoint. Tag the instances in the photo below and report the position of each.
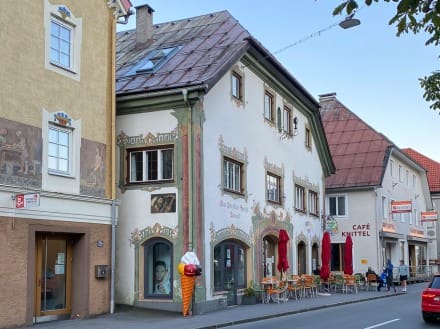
(158, 271)
(229, 266)
(302, 259)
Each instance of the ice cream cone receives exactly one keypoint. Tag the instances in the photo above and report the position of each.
(187, 283)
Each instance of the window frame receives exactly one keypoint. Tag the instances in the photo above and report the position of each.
(307, 138)
(225, 181)
(337, 197)
(145, 169)
(269, 182)
(237, 273)
(71, 30)
(237, 86)
(300, 198)
(269, 106)
(313, 203)
(287, 122)
(69, 146)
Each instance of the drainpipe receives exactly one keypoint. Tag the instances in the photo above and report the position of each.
(113, 259)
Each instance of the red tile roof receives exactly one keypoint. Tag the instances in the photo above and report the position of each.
(432, 167)
(359, 152)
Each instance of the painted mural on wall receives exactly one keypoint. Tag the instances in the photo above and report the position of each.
(20, 154)
(92, 168)
(163, 203)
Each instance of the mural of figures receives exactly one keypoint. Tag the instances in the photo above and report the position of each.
(163, 203)
(92, 168)
(20, 154)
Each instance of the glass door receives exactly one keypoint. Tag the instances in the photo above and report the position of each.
(53, 272)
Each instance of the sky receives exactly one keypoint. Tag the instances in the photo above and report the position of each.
(373, 72)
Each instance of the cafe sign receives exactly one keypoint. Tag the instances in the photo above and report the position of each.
(398, 207)
(429, 216)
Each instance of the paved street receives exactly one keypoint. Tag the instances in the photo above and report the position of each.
(131, 318)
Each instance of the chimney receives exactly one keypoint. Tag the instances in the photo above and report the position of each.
(327, 97)
(144, 25)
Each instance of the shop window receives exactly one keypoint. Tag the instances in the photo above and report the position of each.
(229, 266)
(158, 270)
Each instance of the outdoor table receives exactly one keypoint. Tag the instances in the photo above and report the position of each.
(268, 284)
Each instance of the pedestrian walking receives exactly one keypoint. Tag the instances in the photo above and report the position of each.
(403, 274)
(389, 273)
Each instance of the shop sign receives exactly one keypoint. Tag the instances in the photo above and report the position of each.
(429, 216)
(401, 206)
(27, 200)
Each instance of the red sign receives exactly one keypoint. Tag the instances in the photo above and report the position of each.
(19, 201)
(401, 206)
(429, 216)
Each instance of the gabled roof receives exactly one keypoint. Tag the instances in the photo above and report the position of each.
(432, 167)
(359, 152)
(209, 45)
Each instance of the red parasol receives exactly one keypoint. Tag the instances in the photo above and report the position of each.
(325, 256)
(283, 263)
(348, 256)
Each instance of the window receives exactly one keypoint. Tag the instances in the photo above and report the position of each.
(60, 44)
(273, 187)
(300, 202)
(236, 84)
(414, 181)
(384, 207)
(337, 206)
(229, 266)
(287, 117)
(158, 272)
(59, 150)
(392, 168)
(232, 175)
(313, 203)
(154, 60)
(407, 177)
(400, 173)
(63, 39)
(308, 140)
(151, 165)
(268, 106)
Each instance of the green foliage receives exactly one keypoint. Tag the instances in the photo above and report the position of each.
(412, 16)
(250, 290)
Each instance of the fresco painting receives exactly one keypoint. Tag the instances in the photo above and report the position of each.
(92, 168)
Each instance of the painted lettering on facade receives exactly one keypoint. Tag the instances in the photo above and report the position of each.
(234, 209)
(358, 230)
(147, 139)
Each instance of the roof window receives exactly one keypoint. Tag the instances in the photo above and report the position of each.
(154, 60)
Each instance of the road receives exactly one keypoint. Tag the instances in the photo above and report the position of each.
(398, 312)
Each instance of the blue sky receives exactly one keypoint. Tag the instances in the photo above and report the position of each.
(373, 72)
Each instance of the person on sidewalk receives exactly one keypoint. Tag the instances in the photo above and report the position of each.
(382, 279)
(389, 272)
(403, 274)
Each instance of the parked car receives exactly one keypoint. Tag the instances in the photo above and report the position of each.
(431, 300)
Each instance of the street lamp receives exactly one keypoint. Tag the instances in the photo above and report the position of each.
(349, 22)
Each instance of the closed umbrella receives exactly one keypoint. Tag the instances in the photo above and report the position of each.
(325, 256)
(283, 263)
(348, 256)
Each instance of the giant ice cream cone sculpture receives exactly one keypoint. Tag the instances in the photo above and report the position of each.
(188, 269)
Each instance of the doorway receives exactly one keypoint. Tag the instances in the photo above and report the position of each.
(53, 277)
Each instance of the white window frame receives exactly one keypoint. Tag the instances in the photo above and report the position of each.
(392, 173)
(287, 120)
(232, 175)
(237, 85)
(300, 194)
(308, 138)
(273, 188)
(56, 44)
(337, 198)
(385, 208)
(55, 147)
(65, 18)
(158, 168)
(313, 203)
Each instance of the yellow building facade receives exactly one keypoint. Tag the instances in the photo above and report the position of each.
(57, 204)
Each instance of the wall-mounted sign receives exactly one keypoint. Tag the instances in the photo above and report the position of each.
(163, 203)
(27, 200)
(429, 216)
(401, 206)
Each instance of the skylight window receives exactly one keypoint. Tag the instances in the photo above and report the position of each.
(154, 60)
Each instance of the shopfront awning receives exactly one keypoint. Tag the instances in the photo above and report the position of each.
(391, 235)
(411, 238)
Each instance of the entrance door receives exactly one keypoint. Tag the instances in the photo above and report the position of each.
(53, 275)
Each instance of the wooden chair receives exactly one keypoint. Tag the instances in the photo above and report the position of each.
(372, 281)
(294, 287)
(279, 294)
(360, 280)
(350, 283)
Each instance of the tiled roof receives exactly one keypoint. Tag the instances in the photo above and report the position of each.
(210, 45)
(359, 152)
(432, 167)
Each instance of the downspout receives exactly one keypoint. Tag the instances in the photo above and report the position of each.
(190, 171)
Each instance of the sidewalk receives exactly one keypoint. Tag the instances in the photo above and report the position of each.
(131, 318)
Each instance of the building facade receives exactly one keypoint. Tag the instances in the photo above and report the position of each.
(219, 148)
(56, 198)
(376, 196)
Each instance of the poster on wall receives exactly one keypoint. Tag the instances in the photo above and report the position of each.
(429, 216)
(398, 207)
(161, 203)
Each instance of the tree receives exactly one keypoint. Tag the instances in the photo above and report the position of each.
(412, 16)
